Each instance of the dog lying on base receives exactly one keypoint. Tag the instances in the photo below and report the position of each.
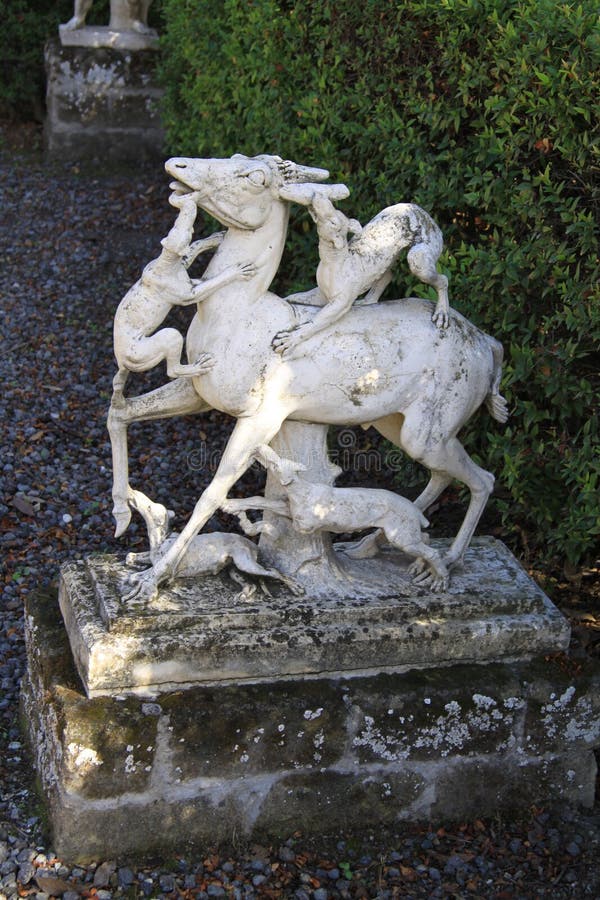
(207, 554)
(320, 507)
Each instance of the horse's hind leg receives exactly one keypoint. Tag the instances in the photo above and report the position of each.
(367, 547)
(438, 482)
(422, 260)
(446, 458)
(390, 427)
(173, 399)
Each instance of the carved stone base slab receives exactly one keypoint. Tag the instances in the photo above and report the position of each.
(103, 36)
(132, 777)
(199, 632)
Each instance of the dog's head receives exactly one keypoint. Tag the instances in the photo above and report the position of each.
(287, 471)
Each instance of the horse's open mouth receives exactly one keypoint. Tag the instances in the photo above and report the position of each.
(178, 187)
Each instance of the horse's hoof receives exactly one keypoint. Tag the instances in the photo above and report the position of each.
(145, 587)
(122, 519)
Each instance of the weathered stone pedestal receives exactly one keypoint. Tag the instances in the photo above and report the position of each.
(105, 36)
(102, 103)
(288, 714)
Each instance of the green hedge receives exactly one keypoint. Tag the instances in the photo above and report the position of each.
(481, 112)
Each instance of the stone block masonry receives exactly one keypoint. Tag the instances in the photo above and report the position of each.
(130, 776)
(102, 104)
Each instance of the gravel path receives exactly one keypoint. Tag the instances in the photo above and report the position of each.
(71, 243)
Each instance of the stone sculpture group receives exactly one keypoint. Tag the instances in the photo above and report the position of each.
(288, 368)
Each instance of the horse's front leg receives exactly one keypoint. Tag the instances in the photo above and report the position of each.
(248, 434)
(178, 398)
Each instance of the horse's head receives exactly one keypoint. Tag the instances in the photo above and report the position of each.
(239, 192)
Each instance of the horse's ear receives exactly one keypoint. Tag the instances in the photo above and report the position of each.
(292, 172)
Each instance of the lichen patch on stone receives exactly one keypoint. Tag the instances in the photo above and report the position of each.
(84, 757)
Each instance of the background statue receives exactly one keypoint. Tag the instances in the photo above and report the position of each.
(125, 15)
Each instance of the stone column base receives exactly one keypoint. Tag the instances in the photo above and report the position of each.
(133, 776)
(102, 104)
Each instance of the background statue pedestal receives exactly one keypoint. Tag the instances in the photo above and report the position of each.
(102, 103)
(270, 753)
(104, 36)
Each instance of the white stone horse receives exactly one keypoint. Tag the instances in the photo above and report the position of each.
(385, 365)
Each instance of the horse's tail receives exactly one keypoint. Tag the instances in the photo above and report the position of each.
(494, 401)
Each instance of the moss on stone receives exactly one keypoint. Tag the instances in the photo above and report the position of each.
(234, 730)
